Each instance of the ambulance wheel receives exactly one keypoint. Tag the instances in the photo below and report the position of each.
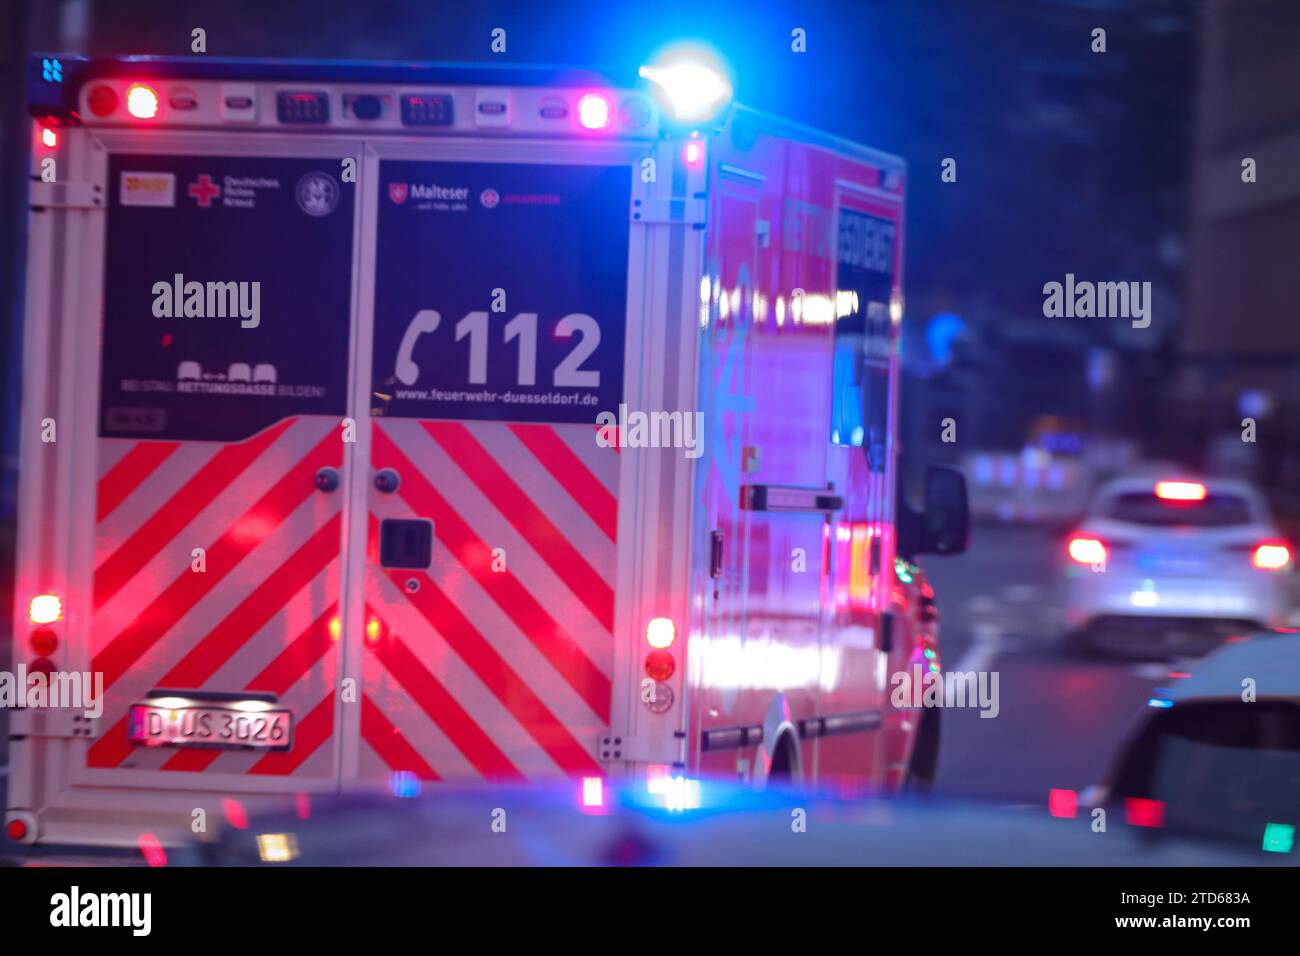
(782, 772)
(922, 767)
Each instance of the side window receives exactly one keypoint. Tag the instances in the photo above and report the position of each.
(860, 379)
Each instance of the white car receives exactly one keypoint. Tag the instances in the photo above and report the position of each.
(1216, 752)
(1174, 565)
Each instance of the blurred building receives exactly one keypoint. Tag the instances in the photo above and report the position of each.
(1241, 339)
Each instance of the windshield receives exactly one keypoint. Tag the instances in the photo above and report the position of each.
(1225, 768)
(1213, 511)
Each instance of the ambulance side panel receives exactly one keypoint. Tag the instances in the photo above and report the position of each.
(787, 656)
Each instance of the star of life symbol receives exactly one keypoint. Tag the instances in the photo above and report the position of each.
(489, 198)
(397, 192)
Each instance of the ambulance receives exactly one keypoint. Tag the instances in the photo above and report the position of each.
(387, 424)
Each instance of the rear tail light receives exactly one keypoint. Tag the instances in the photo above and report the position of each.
(1141, 812)
(1063, 803)
(660, 633)
(43, 641)
(1180, 490)
(660, 665)
(142, 101)
(1087, 550)
(45, 609)
(102, 100)
(1271, 556)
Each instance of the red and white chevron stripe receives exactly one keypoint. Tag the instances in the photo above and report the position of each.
(472, 671)
(259, 618)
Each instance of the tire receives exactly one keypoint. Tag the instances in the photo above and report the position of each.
(782, 770)
(924, 762)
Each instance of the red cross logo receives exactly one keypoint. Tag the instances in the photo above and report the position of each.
(204, 190)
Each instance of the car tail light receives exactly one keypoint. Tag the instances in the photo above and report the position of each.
(1180, 491)
(1141, 812)
(660, 633)
(43, 641)
(593, 111)
(660, 665)
(1087, 550)
(1271, 556)
(102, 100)
(142, 101)
(45, 609)
(1063, 803)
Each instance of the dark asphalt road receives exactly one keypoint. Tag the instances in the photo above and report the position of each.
(1060, 716)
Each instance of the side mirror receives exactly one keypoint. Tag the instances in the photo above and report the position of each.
(945, 522)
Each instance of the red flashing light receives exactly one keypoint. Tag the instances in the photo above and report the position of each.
(693, 154)
(142, 101)
(16, 830)
(102, 100)
(49, 138)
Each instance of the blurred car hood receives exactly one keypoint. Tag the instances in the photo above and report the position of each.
(543, 825)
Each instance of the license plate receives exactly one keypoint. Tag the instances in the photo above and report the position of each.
(220, 727)
(1173, 561)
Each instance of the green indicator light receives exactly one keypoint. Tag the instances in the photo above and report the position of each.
(1279, 837)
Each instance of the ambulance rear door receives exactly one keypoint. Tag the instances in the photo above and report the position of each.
(213, 509)
(495, 313)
